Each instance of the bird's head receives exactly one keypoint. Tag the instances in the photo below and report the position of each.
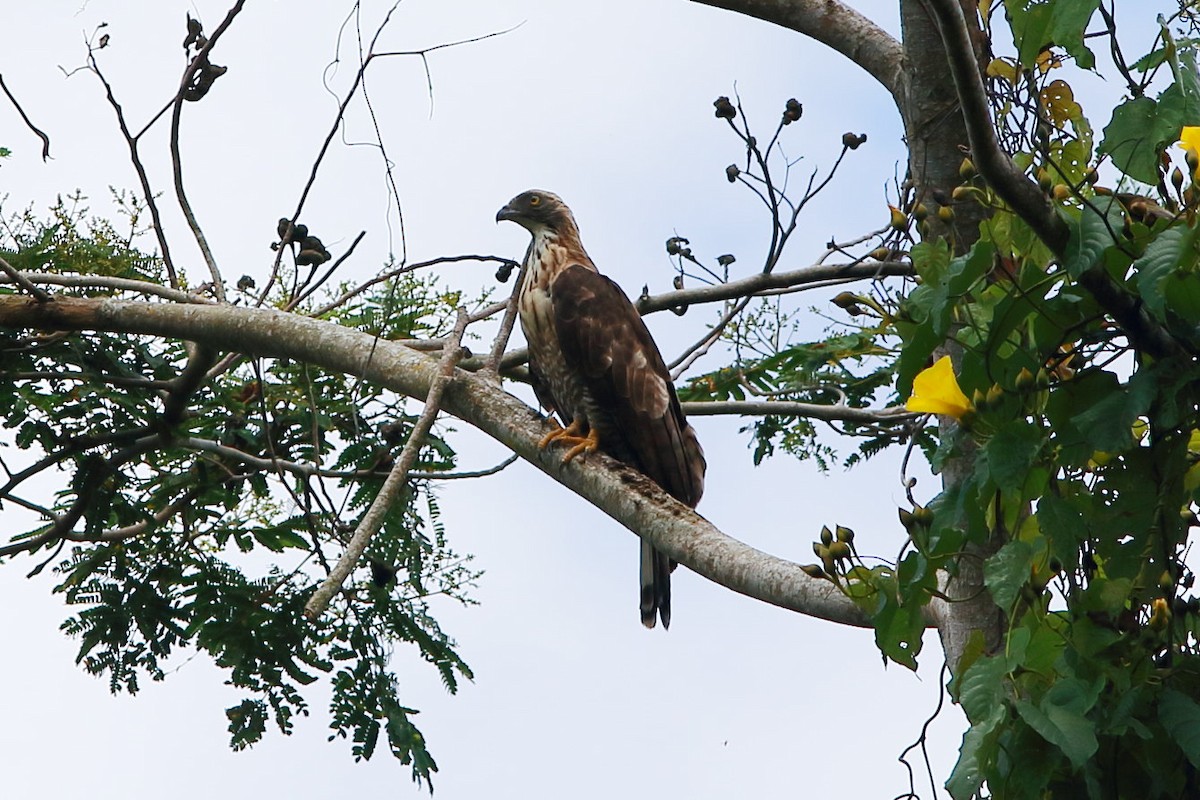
(538, 211)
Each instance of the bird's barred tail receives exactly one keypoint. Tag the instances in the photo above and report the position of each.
(656, 586)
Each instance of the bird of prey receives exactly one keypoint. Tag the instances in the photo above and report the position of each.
(594, 364)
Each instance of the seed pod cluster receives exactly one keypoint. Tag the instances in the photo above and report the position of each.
(312, 250)
(792, 111)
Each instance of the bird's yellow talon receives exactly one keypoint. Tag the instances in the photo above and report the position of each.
(588, 444)
(572, 432)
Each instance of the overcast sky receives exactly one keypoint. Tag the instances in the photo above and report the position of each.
(608, 104)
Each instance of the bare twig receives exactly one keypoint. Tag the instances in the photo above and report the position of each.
(305, 470)
(107, 282)
(372, 521)
(131, 141)
(689, 356)
(392, 273)
(787, 408)
(457, 476)
(189, 75)
(83, 377)
(762, 281)
(41, 295)
(491, 367)
(28, 122)
(307, 291)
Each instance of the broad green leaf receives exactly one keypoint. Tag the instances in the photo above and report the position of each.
(1108, 423)
(1135, 135)
(1180, 102)
(1063, 525)
(1060, 720)
(982, 687)
(1007, 571)
(1180, 715)
(1162, 257)
(1093, 234)
(1038, 24)
(1181, 294)
(976, 755)
(1011, 452)
(1044, 649)
(1140, 128)
(898, 632)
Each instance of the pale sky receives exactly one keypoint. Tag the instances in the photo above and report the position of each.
(609, 105)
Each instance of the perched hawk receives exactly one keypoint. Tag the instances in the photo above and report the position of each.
(594, 364)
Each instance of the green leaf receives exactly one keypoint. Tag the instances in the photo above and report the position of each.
(1093, 234)
(1007, 571)
(1180, 102)
(898, 632)
(1181, 294)
(1180, 715)
(1011, 452)
(1060, 720)
(1142, 127)
(1162, 257)
(1134, 137)
(933, 303)
(1108, 423)
(979, 750)
(1038, 24)
(1063, 525)
(982, 687)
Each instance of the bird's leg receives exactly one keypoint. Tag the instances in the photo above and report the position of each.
(571, 432)
(570, 436)
(588, 444)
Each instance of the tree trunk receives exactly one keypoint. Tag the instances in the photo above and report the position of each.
(937, 143)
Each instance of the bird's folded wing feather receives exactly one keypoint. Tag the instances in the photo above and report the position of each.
(604, 338)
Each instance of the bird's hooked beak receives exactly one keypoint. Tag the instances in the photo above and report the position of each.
(506, 213)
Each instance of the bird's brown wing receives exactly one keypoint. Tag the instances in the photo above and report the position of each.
(636, 414)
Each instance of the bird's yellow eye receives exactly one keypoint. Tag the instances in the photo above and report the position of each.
(535, 200)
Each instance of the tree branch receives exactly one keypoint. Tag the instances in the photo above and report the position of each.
(1013, 186)
(105, 282)
(393, 485)
(41, 295)
(28, 122)
(623, 493)
(784, 408)
(764, 281)
(1023, 195)
(836, 26)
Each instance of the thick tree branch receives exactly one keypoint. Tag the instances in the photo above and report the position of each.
(624, 494)
(835, 25)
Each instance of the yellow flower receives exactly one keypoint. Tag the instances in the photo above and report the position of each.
(1189, 140)
(935, 390)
